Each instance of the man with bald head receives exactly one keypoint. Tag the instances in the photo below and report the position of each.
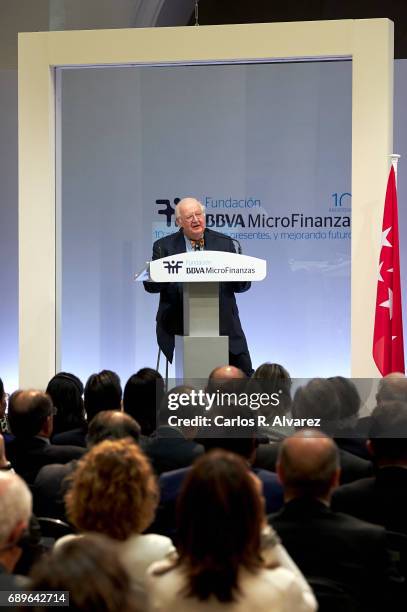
(194, 235)
(227, 379)
(348, 555)
(226, 372)
(30, 415)
(308, 466)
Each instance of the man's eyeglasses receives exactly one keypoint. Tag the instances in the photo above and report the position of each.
(190, 218)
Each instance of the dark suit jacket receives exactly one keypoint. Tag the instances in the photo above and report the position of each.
(11, 582)
(169, 450)
(351, 553)
(49, 489)
(73, 437)
(28, 456)
(170, 310)
(381, 499)
(355, 446)
(170, 484)
(352, 467)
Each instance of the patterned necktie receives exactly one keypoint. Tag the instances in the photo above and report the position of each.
(197, 245)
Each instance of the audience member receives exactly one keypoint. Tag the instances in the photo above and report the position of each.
(142, 397)
(236, 439)
(348, 553)
(31, 421)
(273, 378)
(220, 563)
(30, 545)
(90, 571)
(275, 374)
(382, 499)
(242, 440)
(392, 388)
(227, 556)
(114, 492)
(15, 512)
(349, 437)
(103, 391)
(51, 485)
(4, 463)
(173, 446)
(318, 400)
(66, 392)
(33, 546)
(226, 378)
(112, 425)
(349, 400)
(226, 373)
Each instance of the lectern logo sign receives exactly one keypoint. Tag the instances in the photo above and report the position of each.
(173, 267)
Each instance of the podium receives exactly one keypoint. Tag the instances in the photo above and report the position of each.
(201, 348)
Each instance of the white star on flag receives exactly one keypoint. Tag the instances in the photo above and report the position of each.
(385, 242)
(389, 303)
(380, 278)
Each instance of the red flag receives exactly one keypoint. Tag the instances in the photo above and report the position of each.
(388, 347)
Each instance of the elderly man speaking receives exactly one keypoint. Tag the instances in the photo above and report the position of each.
(193, 235)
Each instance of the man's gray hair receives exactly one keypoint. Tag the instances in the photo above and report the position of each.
(15, 503)
(177, 207)
(392, 388)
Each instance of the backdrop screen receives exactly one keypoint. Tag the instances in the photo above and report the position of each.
(265, 147)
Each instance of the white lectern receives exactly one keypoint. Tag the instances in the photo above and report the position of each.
(201, 348)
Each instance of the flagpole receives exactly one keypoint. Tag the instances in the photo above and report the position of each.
(394, 162)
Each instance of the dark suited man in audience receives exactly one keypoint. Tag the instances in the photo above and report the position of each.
(30, 416)
(225, 373)
(51, 483)
(318, 399)
(194, 235)
(349, 554)
(392, 388)
(349, 437)
(227, 379)
(382, 499)
(174, 446)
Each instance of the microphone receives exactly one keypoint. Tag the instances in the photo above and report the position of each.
(239, 246)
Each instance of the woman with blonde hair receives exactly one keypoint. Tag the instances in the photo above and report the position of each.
(113, 491)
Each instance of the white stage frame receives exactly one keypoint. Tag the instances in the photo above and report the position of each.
(369, 43)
